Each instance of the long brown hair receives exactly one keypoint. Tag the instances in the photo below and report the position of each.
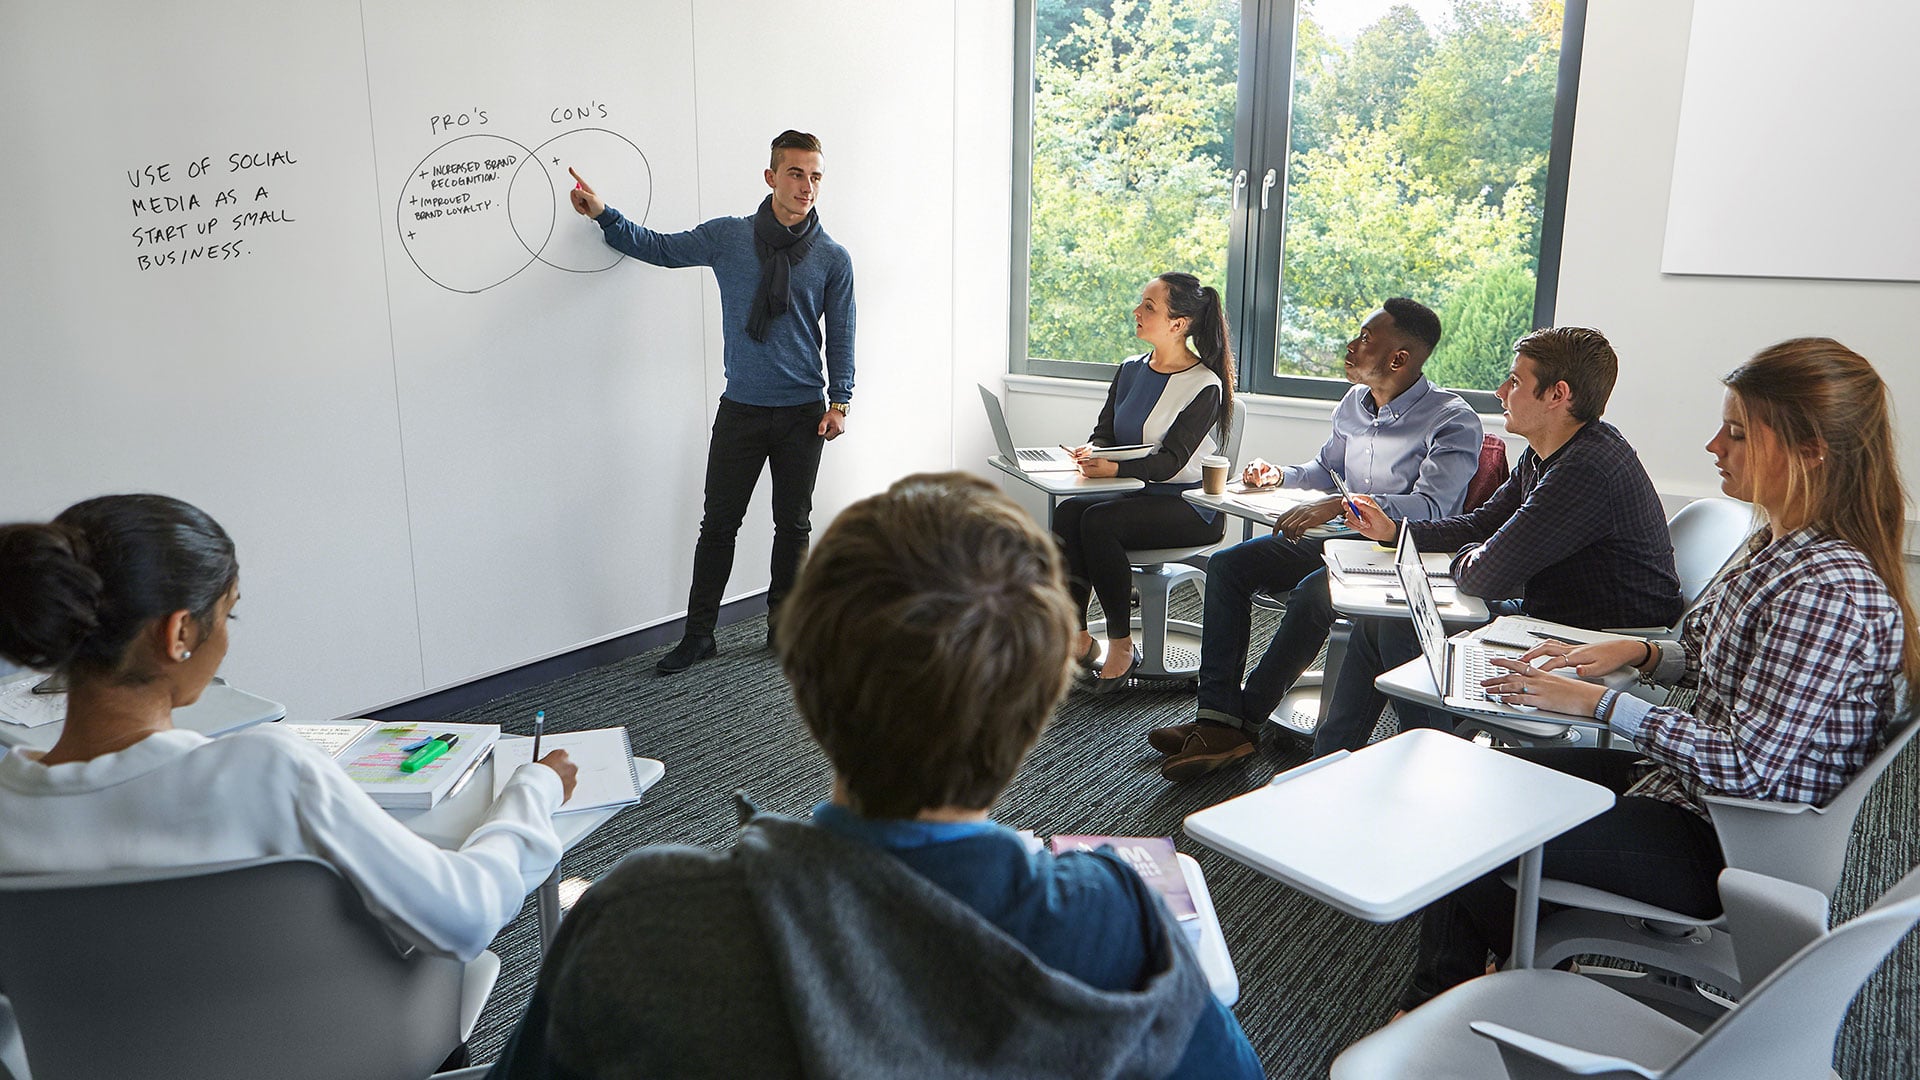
(1829, 409)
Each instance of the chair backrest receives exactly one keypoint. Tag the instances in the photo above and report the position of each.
(264, 967)
(1786, 1026)
(1236, 429)
(1707, 534)
(1808, 847)
(1491, 473)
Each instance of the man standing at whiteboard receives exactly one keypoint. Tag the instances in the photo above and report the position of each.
(786, 312)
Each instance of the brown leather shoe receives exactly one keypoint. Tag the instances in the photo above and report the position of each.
(1208, 747)
(1169, 739)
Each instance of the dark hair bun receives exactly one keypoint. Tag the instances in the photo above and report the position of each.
(49, 596)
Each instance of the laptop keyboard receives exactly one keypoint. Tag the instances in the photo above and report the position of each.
(1477, 668)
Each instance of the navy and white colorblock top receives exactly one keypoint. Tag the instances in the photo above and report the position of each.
(1174, 413)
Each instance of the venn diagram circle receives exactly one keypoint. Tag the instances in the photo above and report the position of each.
(481, 208)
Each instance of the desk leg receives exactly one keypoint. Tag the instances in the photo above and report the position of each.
(547, 904)
(1526, 911)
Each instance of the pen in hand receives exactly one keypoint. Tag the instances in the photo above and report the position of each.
(539, 725)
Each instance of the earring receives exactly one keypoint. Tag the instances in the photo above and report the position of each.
(186, 655)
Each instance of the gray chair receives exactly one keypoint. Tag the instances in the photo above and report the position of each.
(1545, 1025)
(262, 967)
(1169, 647)
(1795, 842)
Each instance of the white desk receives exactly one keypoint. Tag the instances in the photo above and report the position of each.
(1262, 508)
(1059, 485)
(220, 711)
(1385, 831)
(449, 824)
(1211, 949)
(1370, 599)
(1413, 681)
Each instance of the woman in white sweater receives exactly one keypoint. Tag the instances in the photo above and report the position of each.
(128, 596)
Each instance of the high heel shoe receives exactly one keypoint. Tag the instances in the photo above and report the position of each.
(1104, 685)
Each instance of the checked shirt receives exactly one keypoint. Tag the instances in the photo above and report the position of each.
(1795, 653)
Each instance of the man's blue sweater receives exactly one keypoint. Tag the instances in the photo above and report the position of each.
(785, 369)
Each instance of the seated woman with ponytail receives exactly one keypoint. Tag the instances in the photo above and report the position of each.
(128, 597)
(1172, 398)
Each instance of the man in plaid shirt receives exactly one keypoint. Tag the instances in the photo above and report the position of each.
(1576, 535)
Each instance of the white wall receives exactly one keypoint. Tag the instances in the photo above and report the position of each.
(1677, 335)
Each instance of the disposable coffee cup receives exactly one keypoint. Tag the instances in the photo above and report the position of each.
(1213, 474)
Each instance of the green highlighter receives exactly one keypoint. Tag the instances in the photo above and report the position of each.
(427, 754)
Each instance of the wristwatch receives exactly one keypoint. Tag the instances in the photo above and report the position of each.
(840, 407)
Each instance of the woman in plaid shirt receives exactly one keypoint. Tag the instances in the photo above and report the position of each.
(1795, 651)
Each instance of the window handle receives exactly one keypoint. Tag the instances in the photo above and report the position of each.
(1266, 185)
(1239, 185)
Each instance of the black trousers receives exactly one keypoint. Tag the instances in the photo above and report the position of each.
(1095, 535)
(786, 439)
(1646, 849)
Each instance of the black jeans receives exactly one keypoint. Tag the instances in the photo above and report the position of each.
(1646, 849)
(1275, 564)
(785, 438)
(1095, 534)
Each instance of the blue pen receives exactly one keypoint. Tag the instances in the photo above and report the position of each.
(1345, 495)
(539, 725)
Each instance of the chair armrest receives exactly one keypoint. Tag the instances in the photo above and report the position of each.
(1529, 1057)
(1771, 920)
(1719, 803)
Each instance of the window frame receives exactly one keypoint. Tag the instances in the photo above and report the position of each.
(1256, 239)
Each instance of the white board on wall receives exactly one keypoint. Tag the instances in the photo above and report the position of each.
(302, 267)
(551, 390)
(1795, 155)
(192, 302)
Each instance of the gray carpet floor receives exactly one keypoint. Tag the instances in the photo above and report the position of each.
(1312, 980)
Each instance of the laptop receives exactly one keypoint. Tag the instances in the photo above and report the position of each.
(1460, 664)
(1033, 459)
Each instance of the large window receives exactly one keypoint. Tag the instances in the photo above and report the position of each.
(1312, 156)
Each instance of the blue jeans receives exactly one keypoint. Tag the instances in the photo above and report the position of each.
(1271, 563)
(1377, 645)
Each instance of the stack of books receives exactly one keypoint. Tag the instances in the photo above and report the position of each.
(371, 754)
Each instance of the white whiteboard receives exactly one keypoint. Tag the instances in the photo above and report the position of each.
(208, 291)
(1796, 154)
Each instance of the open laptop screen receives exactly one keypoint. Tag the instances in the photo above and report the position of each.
(1421, 605)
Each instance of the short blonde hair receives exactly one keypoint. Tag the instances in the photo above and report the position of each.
(926, 642)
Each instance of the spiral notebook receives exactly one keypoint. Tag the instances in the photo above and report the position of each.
(608, 775)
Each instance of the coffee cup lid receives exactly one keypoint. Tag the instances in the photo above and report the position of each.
(1214, 460)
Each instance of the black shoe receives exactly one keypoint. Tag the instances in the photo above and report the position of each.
(770, 637)
(1103, 685)
(689, 652)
